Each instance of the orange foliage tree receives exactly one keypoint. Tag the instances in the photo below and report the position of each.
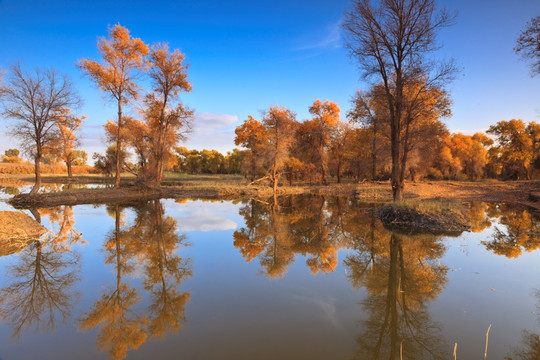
(325, 119)
(166, 118)
(123, 59)
(67, 124)
(516, 147)
(279, 123)
(252, 135)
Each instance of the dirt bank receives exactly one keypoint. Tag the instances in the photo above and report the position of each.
(227, 187)
(17, 231)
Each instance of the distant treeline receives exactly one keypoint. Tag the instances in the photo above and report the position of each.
(360, 147)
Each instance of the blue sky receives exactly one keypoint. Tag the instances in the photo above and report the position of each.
(245, 56)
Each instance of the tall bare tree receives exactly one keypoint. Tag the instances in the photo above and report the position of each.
(124, 58)
(33, 100)
(391, 43)
(528, 45)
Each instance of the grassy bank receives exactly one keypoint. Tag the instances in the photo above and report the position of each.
(231, 186)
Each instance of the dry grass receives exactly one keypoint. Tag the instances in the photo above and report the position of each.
(26, 168)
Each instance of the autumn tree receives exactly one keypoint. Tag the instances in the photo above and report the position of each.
(517, 145)
(368, 111)
(80, 157)
(234, 160)
(11, 156)
(32, 100)
(391, 42)
(167, 119)
(106, 163)
(279, 123)
(460, 154)
(68, 124)
(341, 148)
(252, 135)
(123, 59)
(528, 45)
(325, 119)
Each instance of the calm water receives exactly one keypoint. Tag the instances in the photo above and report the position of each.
(308, 278)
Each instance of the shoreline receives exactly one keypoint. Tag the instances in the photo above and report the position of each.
(526, 193)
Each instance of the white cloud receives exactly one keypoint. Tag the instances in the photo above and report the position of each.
(201, 216)
(212, 131)
(328, 38)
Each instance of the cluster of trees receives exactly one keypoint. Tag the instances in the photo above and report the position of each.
(280, 145)
(207, 161)
(361, 147)
(40, 104)
(11, 156)
(394, 128)
(165, 120)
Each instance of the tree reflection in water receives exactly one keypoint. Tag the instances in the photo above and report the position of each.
(40, 284)
(521, 232)
(530, 349)
(275, 232)
(151, 242)
(401, 273)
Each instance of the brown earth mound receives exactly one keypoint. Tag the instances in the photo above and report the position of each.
(17, 231)
(411, 220)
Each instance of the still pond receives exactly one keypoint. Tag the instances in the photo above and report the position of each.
(307, 278)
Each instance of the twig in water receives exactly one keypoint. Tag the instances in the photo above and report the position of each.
(487, 339)
(455, 351)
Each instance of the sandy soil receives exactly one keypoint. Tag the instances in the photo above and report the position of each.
(17, 231)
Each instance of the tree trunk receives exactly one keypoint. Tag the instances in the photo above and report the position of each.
(118, 145)
(36, 214)
(275, 180)
(69, 170)
(397, 185)
(374, 156)
(395, 138)
(323, 164)
(339, 173)
(37, 170)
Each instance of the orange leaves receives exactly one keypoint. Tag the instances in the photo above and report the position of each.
(517, 145)
(326, 113)
(123, 57)
(168, 72)
(250, 133)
